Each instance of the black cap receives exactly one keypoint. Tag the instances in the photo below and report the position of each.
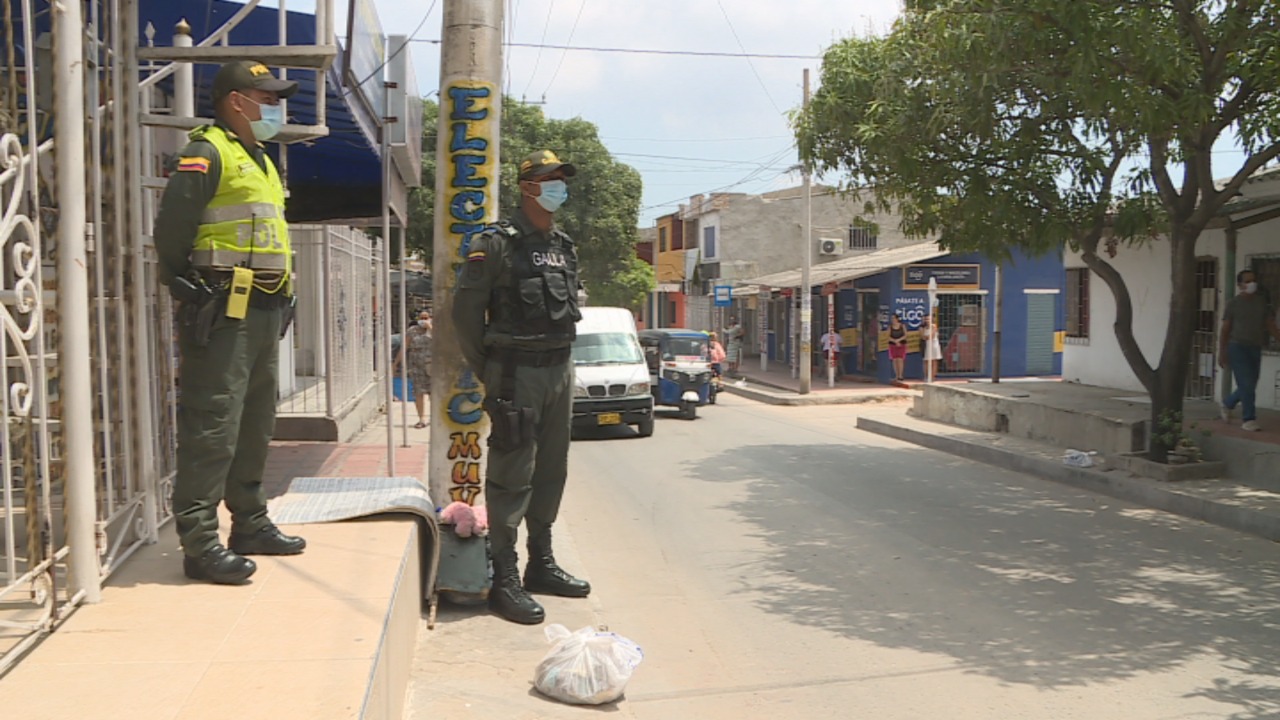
(249, 75)
(542, 163)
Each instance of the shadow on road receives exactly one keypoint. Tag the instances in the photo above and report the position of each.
(1029, 583)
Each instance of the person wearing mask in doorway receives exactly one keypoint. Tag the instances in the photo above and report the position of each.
(223, 245)
(1246, 322)
(514, 312)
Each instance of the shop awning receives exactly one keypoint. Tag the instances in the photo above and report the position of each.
(851, 268)
(330, 178)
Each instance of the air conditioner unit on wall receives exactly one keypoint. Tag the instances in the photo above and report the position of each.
(831, 246)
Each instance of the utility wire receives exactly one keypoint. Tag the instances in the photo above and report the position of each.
(545, 25)
(743, 48)
(652, 51)
(413, 37)
(582, 6)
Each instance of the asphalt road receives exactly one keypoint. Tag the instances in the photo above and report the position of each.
(776, 563)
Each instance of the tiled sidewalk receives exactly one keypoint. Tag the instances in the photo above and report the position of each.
(364, 456)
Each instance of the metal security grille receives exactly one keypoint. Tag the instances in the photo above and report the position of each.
(1040, 329)
(962, 334)
(1204, 341)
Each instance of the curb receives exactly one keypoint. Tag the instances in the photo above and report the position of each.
(1113, 484)
(793, 399)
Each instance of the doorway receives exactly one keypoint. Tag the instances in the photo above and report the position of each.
(1204, 350)
(1040, 332)
(961, 331)
(868, 331)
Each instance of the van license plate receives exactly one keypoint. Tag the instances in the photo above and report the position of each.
(609, 419)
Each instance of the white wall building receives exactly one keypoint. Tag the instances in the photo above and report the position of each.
(1092, 354)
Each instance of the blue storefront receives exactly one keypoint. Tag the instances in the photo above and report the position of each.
(1033, 316)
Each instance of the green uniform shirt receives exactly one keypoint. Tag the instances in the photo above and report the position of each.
(488, 266)
(191, 186)
(1250, 317)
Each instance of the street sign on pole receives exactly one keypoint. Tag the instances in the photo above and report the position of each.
(723, 295)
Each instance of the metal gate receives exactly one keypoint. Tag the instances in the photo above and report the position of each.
(1204, 358)
(962, 333)
(1040, 330)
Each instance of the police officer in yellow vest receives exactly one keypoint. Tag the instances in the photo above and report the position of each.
(223, 245)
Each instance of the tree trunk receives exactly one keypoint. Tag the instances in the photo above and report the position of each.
(1175, 359)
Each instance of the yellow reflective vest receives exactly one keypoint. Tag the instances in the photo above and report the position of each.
(244, 224)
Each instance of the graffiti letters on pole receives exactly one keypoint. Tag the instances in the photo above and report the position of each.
(469, 194)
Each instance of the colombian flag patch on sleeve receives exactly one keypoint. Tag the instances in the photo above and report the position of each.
(475, 256)
(193, 164)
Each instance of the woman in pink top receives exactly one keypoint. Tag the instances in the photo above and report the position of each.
(717, 353)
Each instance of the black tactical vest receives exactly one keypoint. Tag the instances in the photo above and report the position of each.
(538, 299)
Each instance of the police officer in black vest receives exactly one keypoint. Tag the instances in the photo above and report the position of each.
(514, 310)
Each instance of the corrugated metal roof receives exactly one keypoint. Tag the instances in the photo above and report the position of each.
(851, 268)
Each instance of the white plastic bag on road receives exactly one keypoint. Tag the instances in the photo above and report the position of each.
(1077, 458)
(587, 667)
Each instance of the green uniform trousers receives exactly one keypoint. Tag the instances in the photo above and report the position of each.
(226, 415)
(527, 483)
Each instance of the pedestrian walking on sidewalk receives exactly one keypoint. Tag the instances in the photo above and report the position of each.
(897, 346)
(415, 356)
(224, 252)
(830, 343)
(1246, 322)
(932, 347)
(514, 312)
(734, 334)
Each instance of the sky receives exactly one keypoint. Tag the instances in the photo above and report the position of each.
(688, 124)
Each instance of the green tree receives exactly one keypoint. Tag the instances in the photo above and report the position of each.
(603, 208)
(995, 124)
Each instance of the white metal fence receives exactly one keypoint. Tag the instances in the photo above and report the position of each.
(337, 323)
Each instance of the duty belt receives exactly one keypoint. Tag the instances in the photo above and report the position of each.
(532, 358)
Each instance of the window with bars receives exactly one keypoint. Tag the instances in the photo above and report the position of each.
(662, 239)
(1266, 270)
(862, 238)
(1078, 302)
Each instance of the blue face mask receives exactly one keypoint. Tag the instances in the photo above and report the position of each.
(554, 193)
(271, 122)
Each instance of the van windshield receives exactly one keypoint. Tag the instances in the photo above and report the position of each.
(606, 349)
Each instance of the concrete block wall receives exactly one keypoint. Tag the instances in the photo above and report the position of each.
(973, 409)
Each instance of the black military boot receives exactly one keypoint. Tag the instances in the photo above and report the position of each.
(267, 541)
(543, 575)
(507, 598)
(219, 565)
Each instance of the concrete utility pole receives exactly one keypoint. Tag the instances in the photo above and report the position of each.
(466, 200)
(999, 325)
(806, 293)
(76, 382)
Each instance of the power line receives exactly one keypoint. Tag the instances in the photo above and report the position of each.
(545, 25)
(653, 51)
(581, 6)
(412, 38)
(695, 140)
(754, 174)
(743, 48)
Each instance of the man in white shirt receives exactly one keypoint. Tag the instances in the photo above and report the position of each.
(831, 342)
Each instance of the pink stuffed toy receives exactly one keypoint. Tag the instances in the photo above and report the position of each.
(465, 519)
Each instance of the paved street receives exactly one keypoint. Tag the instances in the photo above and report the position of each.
(776, 563)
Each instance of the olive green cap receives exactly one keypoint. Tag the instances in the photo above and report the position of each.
(249, 75)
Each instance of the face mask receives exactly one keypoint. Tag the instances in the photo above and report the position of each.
(554, 193)
(1251, 287)
(271, 122)
(422, 323)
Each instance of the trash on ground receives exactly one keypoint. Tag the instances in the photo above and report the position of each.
(587, 667)
(1078, 458)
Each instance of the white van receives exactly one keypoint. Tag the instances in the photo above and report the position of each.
(611, 383)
